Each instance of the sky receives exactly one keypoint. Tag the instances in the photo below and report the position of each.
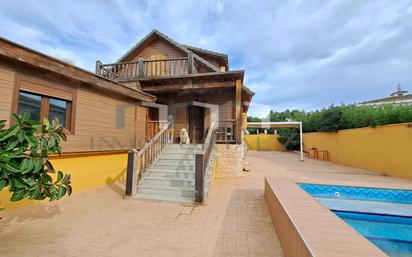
(296, 54)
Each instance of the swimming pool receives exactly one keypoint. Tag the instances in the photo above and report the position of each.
(383, 216)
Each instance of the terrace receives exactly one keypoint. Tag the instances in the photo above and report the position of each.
(235, 221)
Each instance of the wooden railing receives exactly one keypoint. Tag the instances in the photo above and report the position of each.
(140, 161)
(153, 127)
(202, 163)
(142, 68)
(226, 131)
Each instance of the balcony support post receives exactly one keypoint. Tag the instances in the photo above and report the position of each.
(238, 112)
(190, 63)
(141, 67)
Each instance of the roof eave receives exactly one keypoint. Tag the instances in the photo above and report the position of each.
(24, 55)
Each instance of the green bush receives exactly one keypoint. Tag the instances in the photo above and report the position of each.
(336, 118)
(24, 165)
(290, 138)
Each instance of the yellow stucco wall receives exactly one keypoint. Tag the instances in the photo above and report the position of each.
(385, 149)
(263, 142)
(87, 172)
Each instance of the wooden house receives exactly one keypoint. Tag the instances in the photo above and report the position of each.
(188, 80)
(141, 102)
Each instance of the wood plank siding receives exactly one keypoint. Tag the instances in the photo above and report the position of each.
(7, 78)
(178, 105)
(214, 61)
(157, 49)
(98, 121)
(104, 123)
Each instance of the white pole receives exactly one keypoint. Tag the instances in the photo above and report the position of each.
(301, 141)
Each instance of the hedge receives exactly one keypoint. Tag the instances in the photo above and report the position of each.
(336, 118)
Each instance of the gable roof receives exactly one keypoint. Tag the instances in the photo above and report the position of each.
(157, 33)
(23, 55)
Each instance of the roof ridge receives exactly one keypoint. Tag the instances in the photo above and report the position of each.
(204, 50)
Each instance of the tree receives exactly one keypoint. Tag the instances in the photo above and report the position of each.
(290, 138)
(335, 118)
(24, 165)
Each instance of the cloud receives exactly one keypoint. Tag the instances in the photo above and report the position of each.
(297, 54)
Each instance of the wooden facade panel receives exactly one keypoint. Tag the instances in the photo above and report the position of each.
(44, 88)
(214, 61)
(158, 49)
(102, 124)
(7, 77)
(179, 103)
(180, 115)
(140, 126)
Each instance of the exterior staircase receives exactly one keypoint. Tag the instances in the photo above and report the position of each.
(172, 176)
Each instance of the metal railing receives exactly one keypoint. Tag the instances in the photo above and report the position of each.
(202, 163)
(142, 68)
(140, 161)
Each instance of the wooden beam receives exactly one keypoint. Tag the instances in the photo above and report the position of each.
(239, 74)
(183, 86)
(238, 111)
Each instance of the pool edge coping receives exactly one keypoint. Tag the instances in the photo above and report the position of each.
(318, 237)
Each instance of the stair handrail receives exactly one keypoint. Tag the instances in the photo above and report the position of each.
(140, 161)
(202, 161)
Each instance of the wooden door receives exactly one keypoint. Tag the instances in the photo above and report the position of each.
(196, 124)
(152, 126)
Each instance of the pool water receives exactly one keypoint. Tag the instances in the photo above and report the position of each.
(383, 216)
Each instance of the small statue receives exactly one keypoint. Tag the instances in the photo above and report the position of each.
(184, 137)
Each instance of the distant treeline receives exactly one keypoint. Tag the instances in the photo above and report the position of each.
(336, 118)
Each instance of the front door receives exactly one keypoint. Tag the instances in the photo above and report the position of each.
(196, 124)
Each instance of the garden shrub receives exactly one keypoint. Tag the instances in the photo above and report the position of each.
(24, 166)
(336, 118)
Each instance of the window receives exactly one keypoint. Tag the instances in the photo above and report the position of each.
(40, 106)
(30, 103)
(58, 109)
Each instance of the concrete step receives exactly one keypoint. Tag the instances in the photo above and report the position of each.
(172, 177)
(171, 174)
(175, 156)
(180, 151)
(181, 146)
(174, 174)
(184, 183)
(176, 167)
(165, 161)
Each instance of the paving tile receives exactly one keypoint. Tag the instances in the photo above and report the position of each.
(234, 221)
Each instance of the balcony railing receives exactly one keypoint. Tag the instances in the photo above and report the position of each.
(225, 131)
(142, 68)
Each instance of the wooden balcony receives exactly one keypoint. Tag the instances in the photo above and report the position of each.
(124, 71)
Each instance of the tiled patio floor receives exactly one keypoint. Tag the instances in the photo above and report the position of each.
(234, 221)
